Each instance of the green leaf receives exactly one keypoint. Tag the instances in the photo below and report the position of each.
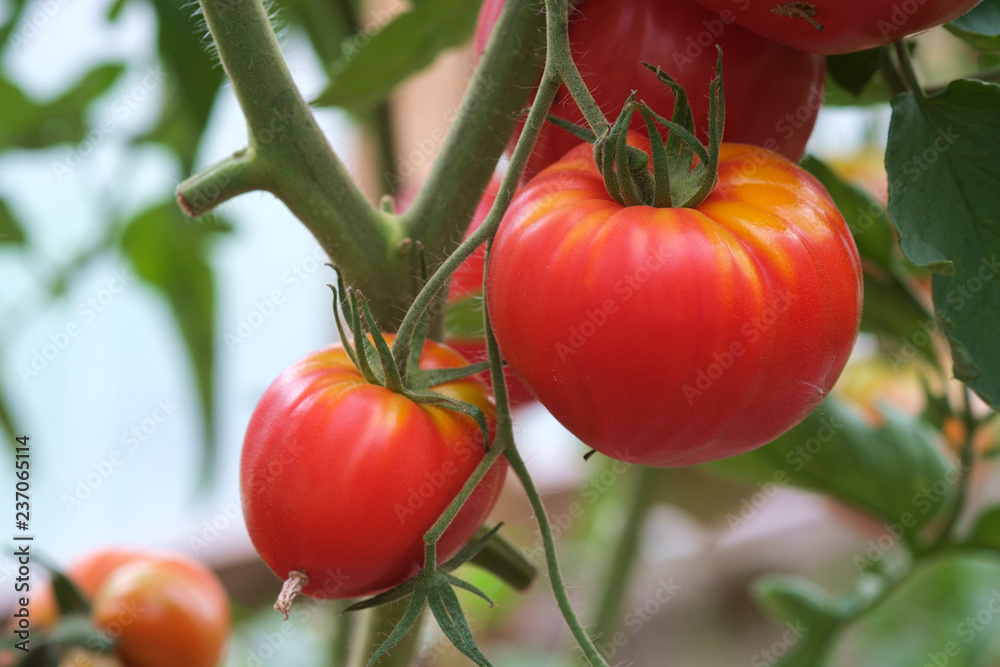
(448, 612)
(986, 533)
(854, 71)
(894, 472)
(943, 180)
(371, 67)
(890, 308)
(169, 252)
(405, 623)
(9, 427)
(980, 27)
(930, 619)
(27, 124)
(11, 232)
(69, 598)
(191, 75)
(811, 617)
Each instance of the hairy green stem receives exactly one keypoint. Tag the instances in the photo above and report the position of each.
(289, 156)
(552, 561)
(561, 56)
(615, 585)
(484, 122)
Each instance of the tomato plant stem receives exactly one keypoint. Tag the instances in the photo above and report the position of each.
(552, 561)
(483, 124)
(619, 572)
(908, 70)
(559, 53)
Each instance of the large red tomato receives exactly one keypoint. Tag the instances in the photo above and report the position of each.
(773, 93)
(675, 336)
(839, 26)
(341, 478)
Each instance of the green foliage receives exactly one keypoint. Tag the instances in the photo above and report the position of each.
(371, 65)
(943, 177)
(169, 252)
(980, 27)
(11, 232)
(834, 452)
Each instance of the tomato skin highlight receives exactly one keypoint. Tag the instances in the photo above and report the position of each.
(847, 25)
(772, 92)
(341, 479)
(676, 336)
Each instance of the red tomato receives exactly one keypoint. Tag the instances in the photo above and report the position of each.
(164, 612)
(465, 311)
(341, 479)
(675, 336)
(838, 26)
(773, 93)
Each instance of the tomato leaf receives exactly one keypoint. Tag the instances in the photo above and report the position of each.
(890, 308)
(427, 378)
(980, 27)
(405, 624)
(69, 598)
(834, 452)
(943, 177)
(447, 611)
(465, 585)
(11, 232)
(371, 66)
(811, 616)
(169, 253)
(986, 533)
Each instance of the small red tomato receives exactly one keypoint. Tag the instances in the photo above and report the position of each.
(674, 336)
(340, 478)
(773, 93)
(838, 26)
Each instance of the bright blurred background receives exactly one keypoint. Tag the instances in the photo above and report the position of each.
(136, 393)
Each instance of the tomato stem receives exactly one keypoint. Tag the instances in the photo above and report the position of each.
(290, 589)
(908, 70)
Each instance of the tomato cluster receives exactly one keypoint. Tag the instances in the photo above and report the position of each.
(161, 609)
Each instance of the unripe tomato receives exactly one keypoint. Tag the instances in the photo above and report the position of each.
(838, 26)
(676, 336)
(773, 93)
(341, 479)
(164, 612)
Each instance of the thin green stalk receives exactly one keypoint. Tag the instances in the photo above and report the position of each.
(615, 585)
(532, 127)
(385, 141)
(551, 560)
(499, 90)
(909, 72)
(560, 54)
